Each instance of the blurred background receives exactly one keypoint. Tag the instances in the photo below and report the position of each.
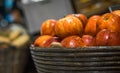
(20, 22)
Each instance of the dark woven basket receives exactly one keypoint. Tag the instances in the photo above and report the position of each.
(102, 59)
(13, 60)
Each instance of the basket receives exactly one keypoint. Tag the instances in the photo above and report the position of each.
(13, 60)
(97, 59)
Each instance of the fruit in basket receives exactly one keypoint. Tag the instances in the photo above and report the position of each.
(48, 27)
(108, 38)
(21, 40)
(56, 45)
(91, 27)
(88, 40)
(44, 41)
(102, 37)
(109, 21)
(4, 40)
(117, 12)
(114, 39)
(81, 17)
(72, 42)
(75, 30)
(68, 26)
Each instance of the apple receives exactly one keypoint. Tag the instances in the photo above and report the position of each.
(44, 41)
(114, 39)
(48, 27)
(81, 17)
(56, 45)
(109, 21)
(117, 12)
(108, 38)
(68, 26)
(102, 37)
(72, 42)
(88, 40)
(91, 28)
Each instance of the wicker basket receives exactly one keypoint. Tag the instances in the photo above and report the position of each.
(13, 60)
(102, 59)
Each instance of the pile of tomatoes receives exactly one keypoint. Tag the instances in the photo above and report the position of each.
(77, 30)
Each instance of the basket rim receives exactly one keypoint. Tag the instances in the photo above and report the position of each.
(90, 48)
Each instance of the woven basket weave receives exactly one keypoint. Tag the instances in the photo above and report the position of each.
(13, 60)
(102, 59)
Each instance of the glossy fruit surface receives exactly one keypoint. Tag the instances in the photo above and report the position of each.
(44, 41)
(88, 40)
(114, 39)
(48, 27)
(108, 38)
(68, 26)
(81, 17)
(102, 37)
(109, 21)
(91, 28)
(72, 42)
